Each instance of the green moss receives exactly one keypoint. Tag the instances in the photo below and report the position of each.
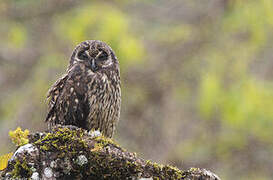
(164, 172)
(63, 139)
(102, 142)
(193, 169)
(21, 170)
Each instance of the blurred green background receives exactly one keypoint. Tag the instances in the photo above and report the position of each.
(197, 75)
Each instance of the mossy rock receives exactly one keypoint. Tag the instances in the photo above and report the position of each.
(73, 153)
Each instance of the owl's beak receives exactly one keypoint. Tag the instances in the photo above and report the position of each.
(93, 65)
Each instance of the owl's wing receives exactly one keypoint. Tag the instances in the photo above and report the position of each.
(68, 105)
(74, 106)
(53, 94)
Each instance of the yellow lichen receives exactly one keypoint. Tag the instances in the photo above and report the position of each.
(97, 147)
(19, 137)
(4, 160)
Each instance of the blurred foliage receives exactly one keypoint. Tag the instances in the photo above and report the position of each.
(196, 75)
(16, 36)
(245, 103)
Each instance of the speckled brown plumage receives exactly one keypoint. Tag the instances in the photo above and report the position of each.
(88, 95)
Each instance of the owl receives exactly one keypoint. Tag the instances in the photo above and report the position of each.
(88, 95)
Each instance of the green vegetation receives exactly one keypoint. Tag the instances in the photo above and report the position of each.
(21, 168)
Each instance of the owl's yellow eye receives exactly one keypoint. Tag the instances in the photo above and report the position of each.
(83, 55)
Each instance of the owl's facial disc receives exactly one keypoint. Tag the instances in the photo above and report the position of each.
(99, 60)
(94, 59)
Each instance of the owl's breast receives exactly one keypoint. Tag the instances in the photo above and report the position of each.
(103, 96)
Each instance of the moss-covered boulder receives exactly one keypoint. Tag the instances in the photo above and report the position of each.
(73, 153)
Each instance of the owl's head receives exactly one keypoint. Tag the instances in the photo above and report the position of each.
(95, 55)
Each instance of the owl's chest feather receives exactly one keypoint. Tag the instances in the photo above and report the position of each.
(103, 95)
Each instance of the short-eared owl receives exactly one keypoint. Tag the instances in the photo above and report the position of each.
(88, 95)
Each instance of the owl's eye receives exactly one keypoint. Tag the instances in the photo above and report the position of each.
(83, 55)
(103, 56)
